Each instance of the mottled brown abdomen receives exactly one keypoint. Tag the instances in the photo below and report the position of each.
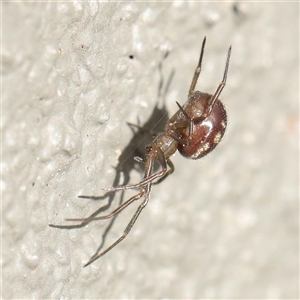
(206, 134)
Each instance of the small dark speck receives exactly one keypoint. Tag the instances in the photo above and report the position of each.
(121, 19)
(32, 184)
(131, 56)
(235, 9)
(239, 11)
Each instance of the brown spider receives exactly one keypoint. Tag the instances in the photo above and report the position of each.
(195, 130)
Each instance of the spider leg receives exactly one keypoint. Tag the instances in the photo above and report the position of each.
(223, 83)
(145, 190)
(190, 123)
(170, 171)
(147, 179)
(217, 92)
(198, 69)
(148, 170)
(113, 213)
(127, 229)
(178, 139)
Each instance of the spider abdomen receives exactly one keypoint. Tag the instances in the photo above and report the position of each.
(206, 134)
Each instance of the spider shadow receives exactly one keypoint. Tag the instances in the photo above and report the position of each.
(142, 136)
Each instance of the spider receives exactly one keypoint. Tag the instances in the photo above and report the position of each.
(194, 130)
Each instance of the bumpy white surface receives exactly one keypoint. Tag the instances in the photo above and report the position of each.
(222, 227)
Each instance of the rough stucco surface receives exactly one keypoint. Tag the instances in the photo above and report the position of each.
(74, 73)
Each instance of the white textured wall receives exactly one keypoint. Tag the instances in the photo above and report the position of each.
(225, 226)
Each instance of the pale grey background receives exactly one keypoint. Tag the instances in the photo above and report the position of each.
(225, 226)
